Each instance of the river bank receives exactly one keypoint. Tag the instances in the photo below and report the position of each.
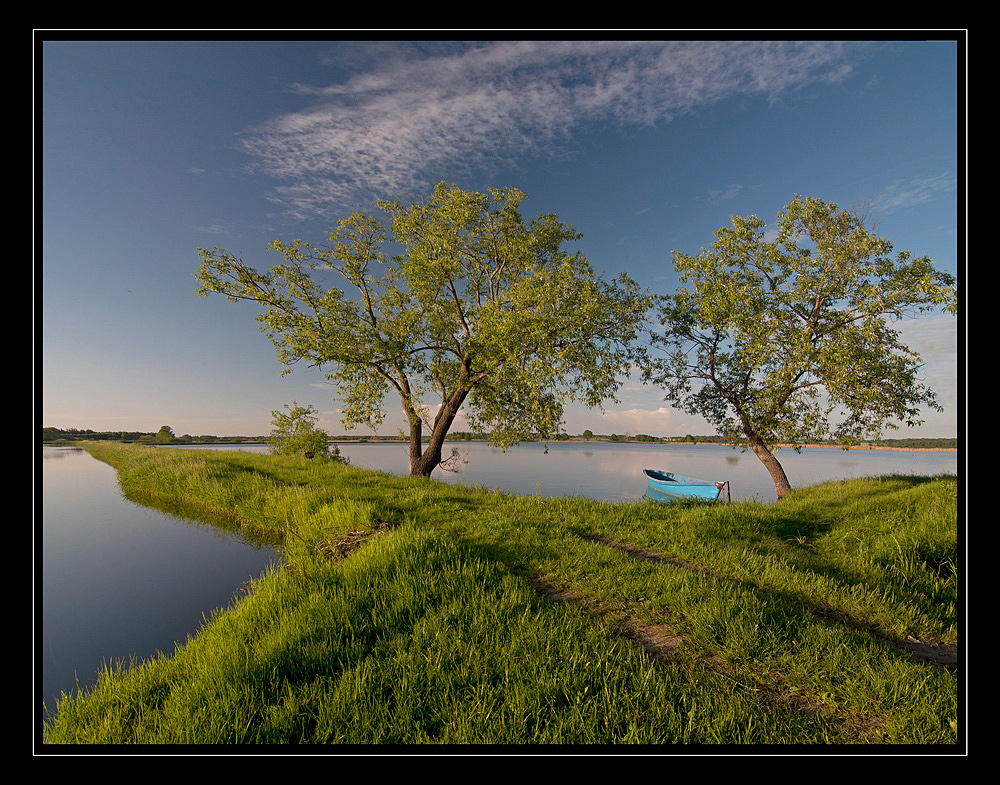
(576, 440)
(869, 447)
(409, 611)
(613, 471)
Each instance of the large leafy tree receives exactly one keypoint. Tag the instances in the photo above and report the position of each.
(791, 339)
(455, 301)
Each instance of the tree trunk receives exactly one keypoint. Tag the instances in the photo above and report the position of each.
(418, 467)
(425, 463)
(424, 460)
(781, 485)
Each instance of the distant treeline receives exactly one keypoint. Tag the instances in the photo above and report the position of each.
(80, 434)
(165, 435)
(940, 444)
(919, 444)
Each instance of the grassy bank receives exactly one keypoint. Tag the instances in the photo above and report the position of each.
(413, 612)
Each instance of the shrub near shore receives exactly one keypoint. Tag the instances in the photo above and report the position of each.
(410, 611)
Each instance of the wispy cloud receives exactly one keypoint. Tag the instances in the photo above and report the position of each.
(423, 112)
(724, 194)
(902, 194)
(659, 421)
(935, 339)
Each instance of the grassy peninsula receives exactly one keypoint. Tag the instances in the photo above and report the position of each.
(409, 611)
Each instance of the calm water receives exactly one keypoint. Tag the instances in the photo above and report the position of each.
(603, 470)
(614, 471)
(118, 578)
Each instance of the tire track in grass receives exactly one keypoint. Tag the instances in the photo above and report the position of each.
(664, 644)
(660, 640)
(943, 654)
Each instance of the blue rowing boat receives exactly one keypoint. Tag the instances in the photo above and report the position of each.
(668, 487)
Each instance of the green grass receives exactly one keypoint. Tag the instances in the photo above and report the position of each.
(466, 616)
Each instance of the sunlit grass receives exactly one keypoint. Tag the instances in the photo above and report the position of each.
(435, 630)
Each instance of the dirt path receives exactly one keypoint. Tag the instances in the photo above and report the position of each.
(663, 642)
(938, 652)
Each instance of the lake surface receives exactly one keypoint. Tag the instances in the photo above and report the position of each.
(613, 471)
(118, 578)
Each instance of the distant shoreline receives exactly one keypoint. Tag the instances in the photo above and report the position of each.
(873, 447)
(342, 440)
(665, 444)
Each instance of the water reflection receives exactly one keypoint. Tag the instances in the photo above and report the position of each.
(54, 453)
(119, 578)
(613, 471)
(225, 528)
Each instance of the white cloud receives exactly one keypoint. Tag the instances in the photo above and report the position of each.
(724, 194)
(935, 339)
(661, 421)
(902, 194)
(421, 112)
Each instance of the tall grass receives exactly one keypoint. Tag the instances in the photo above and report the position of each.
(474, 617)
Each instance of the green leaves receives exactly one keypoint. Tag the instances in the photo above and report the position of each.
(478, 307)
(295, 433)
(789, 339)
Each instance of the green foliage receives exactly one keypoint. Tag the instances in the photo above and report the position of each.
(165, 435)
(789, 340)
(77, 434)
(481, 309)
(295, 433)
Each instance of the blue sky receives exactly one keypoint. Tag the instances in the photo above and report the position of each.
(148, 150)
